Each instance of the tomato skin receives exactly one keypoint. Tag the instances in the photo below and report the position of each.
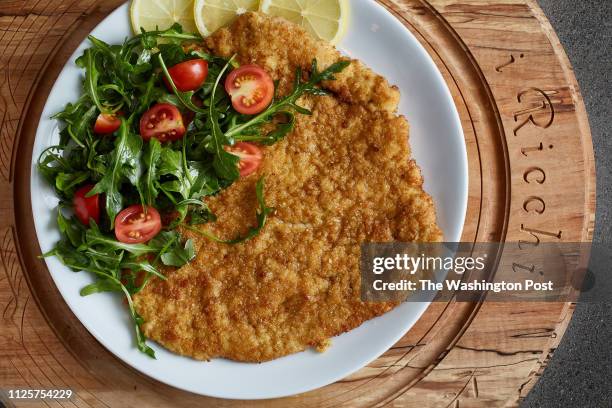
(251, 89)
(188, 75)
(86, 207)
(106, 123)
(250, 157)
(163, 122)
(133, 226)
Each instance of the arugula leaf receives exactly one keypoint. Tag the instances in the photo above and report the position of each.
(117, 67)
(142, 265)
(124, 164)
(114, 95)
(79, 127)
(262, 216)
(224, 163)
(75, 232)
(171, 163)
(282, 129)
(213, 59)
(200, 215)
(172, 53)
(175, 34)
(171, 251)
(151, 162)
(66, 182)
(149, 92)
(205, 181)
(104, 257)
(69, 256)
(101, 285)
(164, 240)
(289, 102)
(94, 237)
(92, 74)
(141, 342)
(78, 116)
(74, 260)
(184, 97)
(179, 256)
(51, 162)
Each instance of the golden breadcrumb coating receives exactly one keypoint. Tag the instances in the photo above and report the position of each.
(280, 46)
(342, 177)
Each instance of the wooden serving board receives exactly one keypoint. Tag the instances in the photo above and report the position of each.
(531, 178)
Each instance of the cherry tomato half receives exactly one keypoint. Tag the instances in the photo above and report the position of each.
(250, 157)
(137, 224)
(106, 123)
(163, 122)
(188, 75)
(251, 89)
(86, 207)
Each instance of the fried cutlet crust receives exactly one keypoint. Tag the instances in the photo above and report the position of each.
(280, 46)
(342, 177)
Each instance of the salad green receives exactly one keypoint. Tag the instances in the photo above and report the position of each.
(169, 176)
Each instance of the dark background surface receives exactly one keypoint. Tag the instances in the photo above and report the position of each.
(580, 372)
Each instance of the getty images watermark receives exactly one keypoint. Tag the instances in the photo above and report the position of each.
(478, 271)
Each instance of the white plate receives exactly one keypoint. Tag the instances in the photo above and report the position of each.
(383, 43)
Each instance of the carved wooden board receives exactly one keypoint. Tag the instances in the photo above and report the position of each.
(531, 178)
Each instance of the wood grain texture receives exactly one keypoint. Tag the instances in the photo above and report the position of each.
(531, 178)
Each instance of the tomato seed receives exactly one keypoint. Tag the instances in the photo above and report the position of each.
(240, 80)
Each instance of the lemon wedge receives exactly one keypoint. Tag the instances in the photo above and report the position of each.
(213, 14)
(153, 14)
(326, 19)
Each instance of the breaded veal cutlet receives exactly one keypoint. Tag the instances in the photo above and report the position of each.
(342, 177)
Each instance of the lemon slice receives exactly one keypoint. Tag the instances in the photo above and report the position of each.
(153, 14)
(213, 14)
(326, 19)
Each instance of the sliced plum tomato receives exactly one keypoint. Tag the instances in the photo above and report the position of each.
(163, 122)
(137, 224)
(107, 123)
(86, 207)
(188, 75)
(250, 157)
(251, 89)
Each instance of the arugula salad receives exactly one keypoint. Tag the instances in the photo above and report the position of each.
(160, 126)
